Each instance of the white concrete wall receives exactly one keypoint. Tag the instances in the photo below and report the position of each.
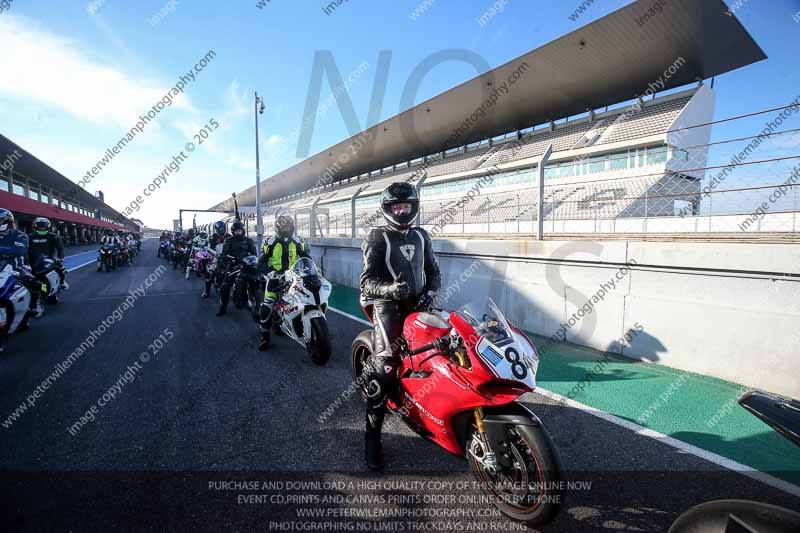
(721, 309)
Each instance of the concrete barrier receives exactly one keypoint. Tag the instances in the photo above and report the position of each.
(726, 310)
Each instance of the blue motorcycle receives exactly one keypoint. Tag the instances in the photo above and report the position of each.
(14, 301)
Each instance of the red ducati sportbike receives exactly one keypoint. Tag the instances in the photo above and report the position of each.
(461, 377)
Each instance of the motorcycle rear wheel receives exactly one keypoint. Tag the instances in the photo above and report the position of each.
(319, 347)
(535, 465)
(361, 355)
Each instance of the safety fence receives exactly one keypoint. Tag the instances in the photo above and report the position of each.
(743, 180)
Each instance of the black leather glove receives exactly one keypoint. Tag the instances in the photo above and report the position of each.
(426, 301)
(399, 290)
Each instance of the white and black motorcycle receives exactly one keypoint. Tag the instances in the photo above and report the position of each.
(46, 273)
(14, 301)
(299, 313)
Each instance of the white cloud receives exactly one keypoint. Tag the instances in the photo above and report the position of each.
(49, 69)
(273, 140)
(237, 103)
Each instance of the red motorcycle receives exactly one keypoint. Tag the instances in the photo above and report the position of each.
(461, 377)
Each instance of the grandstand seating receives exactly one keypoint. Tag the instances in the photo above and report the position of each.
(571, 198)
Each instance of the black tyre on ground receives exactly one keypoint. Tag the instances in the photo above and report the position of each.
(319, 347)
(534, 483)
(361, 353)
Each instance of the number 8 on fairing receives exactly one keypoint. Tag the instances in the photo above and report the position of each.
(517, 368)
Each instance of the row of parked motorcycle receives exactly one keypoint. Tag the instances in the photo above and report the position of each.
(299, 312)
(117, 250)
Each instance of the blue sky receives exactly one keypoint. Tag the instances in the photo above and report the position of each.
(74, 82)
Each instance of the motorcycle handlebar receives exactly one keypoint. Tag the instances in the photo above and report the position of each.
(440, 344)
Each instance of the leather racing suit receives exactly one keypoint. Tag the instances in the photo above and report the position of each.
(45, 246)
(237, 247)
(399, 268)
(279, 254)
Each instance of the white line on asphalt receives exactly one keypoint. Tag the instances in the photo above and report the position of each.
(348, 315)
(79, 266)
(711, 457)
(81, 253)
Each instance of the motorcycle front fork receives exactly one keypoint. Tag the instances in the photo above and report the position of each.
(480, 447)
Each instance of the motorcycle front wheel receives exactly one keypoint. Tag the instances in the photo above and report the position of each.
(319, 347)
(253, 301)
(530, 491)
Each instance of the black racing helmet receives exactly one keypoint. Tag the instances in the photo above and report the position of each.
(237, 226)
(284, 226)
(6, 221)
(219, 228)
(400, 205)
(190, 233)
(109, 232)
(203, 235)
(41, 225)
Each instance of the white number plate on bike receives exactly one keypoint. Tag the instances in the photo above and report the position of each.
(505, 360)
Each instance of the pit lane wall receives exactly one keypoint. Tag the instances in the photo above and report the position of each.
(726, 310)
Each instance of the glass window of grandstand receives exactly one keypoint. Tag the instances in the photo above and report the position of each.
(619, 161)
(33, 194)
(597, 164)
(45, 198)
(656, 155)
(19, 189)
(3, 184)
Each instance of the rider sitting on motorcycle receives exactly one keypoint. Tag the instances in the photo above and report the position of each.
(164, 238)
(278, 254)
(123, 244)
(14, 249)
(43, 243)
(219, 236)
(109, 238)
(179, 239)
(199, 241)
(236, 248)
(401, 275)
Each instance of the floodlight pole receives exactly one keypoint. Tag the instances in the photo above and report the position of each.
(259, 108)
(542, 163)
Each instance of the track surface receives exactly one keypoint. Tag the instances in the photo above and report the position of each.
(208, 408)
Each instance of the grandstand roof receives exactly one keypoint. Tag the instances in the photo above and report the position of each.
(611, 60)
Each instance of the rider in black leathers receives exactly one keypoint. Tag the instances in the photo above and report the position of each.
(236, 248)
(42, 244)
(401, 275)
(219, 236)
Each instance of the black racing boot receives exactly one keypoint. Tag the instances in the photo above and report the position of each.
(223, 310)
(205, 294)
(25, 325)
(263, 345)
(265, 322)
(373, 450)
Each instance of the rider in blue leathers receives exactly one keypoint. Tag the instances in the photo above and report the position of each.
(14, 249)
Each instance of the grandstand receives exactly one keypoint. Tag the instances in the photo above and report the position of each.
(30, 188)
(632, 161)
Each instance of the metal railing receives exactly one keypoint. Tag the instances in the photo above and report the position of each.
(745, 181)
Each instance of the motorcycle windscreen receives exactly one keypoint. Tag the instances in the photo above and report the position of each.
(305, 267)
(509, 355)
